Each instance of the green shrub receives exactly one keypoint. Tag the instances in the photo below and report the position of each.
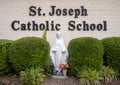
(89, 77)
(85, 52)
(108, 74)
(92, 77)
(112, 52)
(33, 76)
(4, 46)
(29, 52)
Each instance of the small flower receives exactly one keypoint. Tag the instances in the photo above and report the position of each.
(64, 66)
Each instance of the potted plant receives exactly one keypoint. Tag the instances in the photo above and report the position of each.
(64, 68)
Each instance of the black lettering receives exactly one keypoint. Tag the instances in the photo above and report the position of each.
(13, 25)
(47, 26)
(52, 26)
(32, 11)
(64, 12)
(52, 11)
(105, 26)
(70, 12)
(34, 26)
(23, 27)
(28, 25)
(92, 27)
(71, 25)
(99, 27)
(79, 27)
(57, 27)
(58, 12)
(42, 26)
(77, 13)
(83, 11)
(39, 11)
(85, 26)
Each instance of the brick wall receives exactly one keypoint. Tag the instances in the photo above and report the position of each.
(98, 11)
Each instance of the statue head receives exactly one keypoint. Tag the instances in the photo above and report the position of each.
(58, 35)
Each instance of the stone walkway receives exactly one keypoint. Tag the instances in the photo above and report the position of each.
(50, 81)
(55, 81)
(70, 81)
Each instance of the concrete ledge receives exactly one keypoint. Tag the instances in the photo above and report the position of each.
(60, 77)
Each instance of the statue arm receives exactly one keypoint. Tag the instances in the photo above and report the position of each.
(53, 49)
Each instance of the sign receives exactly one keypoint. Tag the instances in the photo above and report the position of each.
(77, 18)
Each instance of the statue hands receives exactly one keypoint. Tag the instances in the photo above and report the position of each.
(63, 51)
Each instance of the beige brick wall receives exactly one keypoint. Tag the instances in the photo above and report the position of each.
(98, 11)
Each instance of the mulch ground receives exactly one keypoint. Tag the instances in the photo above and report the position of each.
(49, 81)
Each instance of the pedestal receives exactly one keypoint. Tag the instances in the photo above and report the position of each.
(59, 77)
(64, 76)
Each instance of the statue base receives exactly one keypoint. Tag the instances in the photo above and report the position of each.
(59, 77)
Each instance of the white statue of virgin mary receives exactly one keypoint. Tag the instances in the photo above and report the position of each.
(58, 54)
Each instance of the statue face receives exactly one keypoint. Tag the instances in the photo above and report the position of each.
(58, 35)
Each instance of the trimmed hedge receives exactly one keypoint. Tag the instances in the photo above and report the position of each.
(84, 53)
(4, 46)
(112, 52)
(29, 52)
